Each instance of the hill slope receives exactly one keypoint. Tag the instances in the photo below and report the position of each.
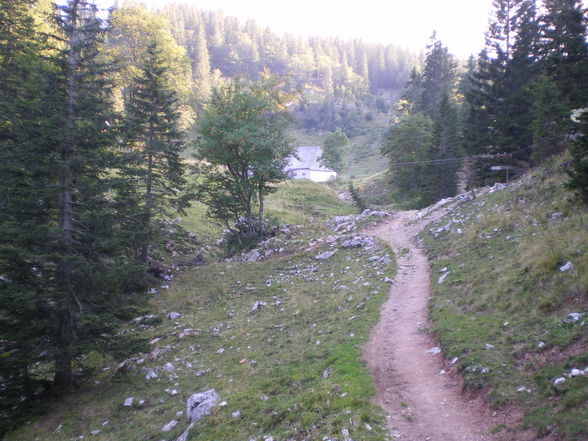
(279, 339)
(510, 300)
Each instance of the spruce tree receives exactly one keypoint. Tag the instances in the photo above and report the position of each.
(156, 142)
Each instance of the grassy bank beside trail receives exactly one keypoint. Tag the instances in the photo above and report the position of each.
(508, 269)
(289, 370)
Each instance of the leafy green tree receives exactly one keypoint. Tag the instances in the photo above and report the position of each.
(243, 139)
(155, 139)
(334, 147)
(409, 145)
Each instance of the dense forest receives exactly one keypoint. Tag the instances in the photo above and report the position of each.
(507, 110)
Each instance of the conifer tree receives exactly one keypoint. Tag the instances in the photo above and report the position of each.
(156, 143)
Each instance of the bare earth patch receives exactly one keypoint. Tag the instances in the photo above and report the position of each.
(421, 401)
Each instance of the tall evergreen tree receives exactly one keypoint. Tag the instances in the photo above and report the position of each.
(564, 49)
(442, 176)
(156, 143)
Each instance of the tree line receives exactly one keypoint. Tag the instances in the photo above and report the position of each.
(507, 109)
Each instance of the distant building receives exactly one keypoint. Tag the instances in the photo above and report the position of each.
(307, 165)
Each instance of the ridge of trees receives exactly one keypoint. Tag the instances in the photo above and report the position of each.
(506, 111)
(219, 45)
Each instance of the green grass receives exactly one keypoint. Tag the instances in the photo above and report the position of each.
(300, 201)
(317, 318)
(505, 289)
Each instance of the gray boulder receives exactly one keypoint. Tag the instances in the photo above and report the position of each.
(326, 255)
(200, 405)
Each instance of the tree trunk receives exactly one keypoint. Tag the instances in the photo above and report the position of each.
(260, 213)
(148, 207)
(64, 332)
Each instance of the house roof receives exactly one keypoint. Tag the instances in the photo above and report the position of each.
(308, 158)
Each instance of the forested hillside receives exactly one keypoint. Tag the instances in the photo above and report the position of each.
(508, 110)
(219, 45)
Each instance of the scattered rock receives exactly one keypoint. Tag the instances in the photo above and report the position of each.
(258, 305)
(169, 426)
(388, 280)
(558, 380)
(95, 432)
(236, 414)
(442, 278)
(523, 389)
(568, 266)
(555, 216)
(358, 242)
(573, 317)
(327, 373)
(488, 346)
(252, 256)
(189, 332)
(150, 375)
(434, 350)
(326, 255)
(200, 404)
(128, 402)
(173, 315)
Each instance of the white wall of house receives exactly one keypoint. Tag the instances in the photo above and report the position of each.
(322, 175)
(313, 175)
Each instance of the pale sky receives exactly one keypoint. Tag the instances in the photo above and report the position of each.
(460, 24)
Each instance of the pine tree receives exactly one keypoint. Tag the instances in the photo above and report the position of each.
(156, 142)
(564, 50)
(578, 169)
(442, 176)
(439, 77)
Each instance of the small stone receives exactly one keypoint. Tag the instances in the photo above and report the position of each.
(488, 346)
(264, 398)
(327, 373)
(173, 315)
(573, 317)
(453, 360)
(540, 344)
(326, 255)
(95, 432)
(128, 402)
(576, 372)
(220, 351)
(169, 426)
(442, 278)
(434, 350)
(151, 374)
(522, 389)
(558, 380)
(258, 305)
(568, 266)
(222, 404)
(236, 414)
(388, 280)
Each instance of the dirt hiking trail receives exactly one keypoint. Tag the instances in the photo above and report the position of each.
(421, 402)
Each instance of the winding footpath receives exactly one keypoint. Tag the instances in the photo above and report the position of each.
(422, 403)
